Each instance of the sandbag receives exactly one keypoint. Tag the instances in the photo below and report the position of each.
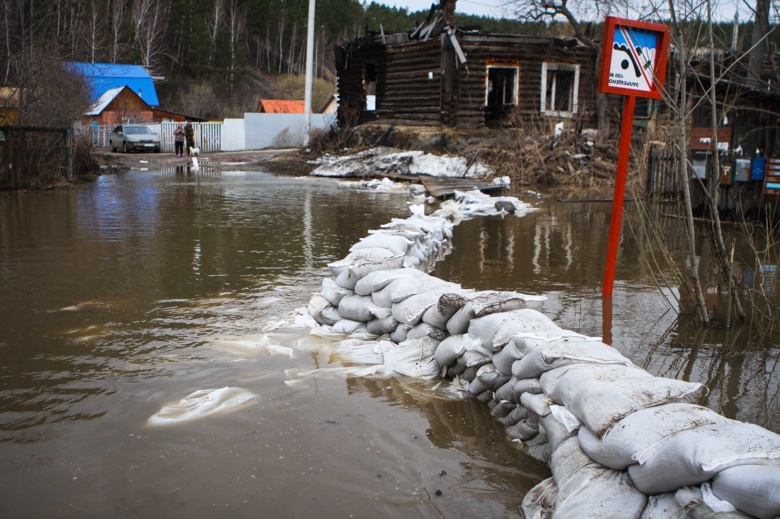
(753, 489)
(400, 333)
(694, 502)
(332, 292)
(377, 280)
(538, 404)
(663, 506)
(514, 416)
(481, 304)
(502, 408)
(448, 351)
(414, 359)
(634, 438)
(588, 490)
(411, 309)
(556, 432)
(404, 288)
(505, 392)
(565, 352)
(357, 264)
(600, 395)
(539, 502)
(527, 385)
(382, 326)
(438, 314)
(692, 457)
(361, 308)
(495, 330)
(322, 311)
(348, 326)
(426, 330)
(392, 242)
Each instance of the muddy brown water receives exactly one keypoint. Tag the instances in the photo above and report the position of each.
(137, 290)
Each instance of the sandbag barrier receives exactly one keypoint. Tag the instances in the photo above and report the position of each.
(620, 442)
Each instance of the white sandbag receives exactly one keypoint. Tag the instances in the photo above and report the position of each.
(505, 358)
(411, 309)
(399, 334)
(421, 330)
(363, 261)
(382, 326)
(356, 265)
(480, 304)
(538, 404)
(541, 452)
(538, 503)
(404, 288)
(322, 311)
(502, 408)
(414, 359)
(448, 351)
(696, 506)
(565, 352)
(379, 279)
(524, 430)
(362, 352)
(486, 377)
(382, 297)
(556, 431)
(600, 395)
(588, 490)
(402, 228)
(528, 342)
(634, 438)
(474, 359)
(438, 315)
(361, 308)
(495, 330)
(332, 292)
(200, 404)
(514, 416)
(392, 242)
(505, 392)
(753, 489)
(527, 385)
(412, 262)
(348, 326)
(694, 456)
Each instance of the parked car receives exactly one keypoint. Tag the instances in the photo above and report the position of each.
(133, 137)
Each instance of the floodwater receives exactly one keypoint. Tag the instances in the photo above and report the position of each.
(144, 287)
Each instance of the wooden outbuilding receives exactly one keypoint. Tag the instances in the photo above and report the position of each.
(119, 105)
(442, 76)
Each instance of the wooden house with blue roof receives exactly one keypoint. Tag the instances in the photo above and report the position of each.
(103, 77)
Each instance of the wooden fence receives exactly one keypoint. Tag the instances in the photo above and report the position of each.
(662, 168)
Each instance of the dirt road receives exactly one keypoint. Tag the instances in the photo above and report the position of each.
(285, 161)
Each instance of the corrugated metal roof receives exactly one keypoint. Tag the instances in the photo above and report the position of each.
(279, 106)
(103, 77)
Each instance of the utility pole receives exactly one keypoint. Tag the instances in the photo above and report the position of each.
(309, 72)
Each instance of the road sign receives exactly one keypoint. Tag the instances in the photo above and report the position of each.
(633, 62)
(633, 58)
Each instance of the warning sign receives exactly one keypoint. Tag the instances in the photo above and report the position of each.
(633, 58)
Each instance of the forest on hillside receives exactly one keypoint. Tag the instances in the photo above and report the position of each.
(217, 57)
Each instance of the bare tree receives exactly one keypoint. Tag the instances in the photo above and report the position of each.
(214, 23)
(116, 16)
(236, 26)
(150, 19)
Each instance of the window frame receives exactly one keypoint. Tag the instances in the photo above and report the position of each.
(515, 86)
(549, 66)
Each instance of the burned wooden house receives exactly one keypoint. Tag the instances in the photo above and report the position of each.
(443, 76)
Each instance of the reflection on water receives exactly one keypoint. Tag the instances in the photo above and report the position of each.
(134, 292)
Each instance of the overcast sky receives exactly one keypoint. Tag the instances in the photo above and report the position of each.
(503, 8)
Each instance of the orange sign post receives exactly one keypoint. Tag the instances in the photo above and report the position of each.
(633, 63)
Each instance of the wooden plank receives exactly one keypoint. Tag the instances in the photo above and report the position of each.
(444, 187)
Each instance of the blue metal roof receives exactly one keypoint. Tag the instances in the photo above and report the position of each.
(105, 76)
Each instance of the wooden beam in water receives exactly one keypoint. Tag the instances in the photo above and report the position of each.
(444, 187)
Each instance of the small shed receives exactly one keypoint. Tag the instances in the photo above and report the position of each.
(119, 105)
(281, 106)
(103, 77)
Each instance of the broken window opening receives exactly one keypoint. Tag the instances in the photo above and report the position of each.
(560, 84)
(369, 86)
(500, 91)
